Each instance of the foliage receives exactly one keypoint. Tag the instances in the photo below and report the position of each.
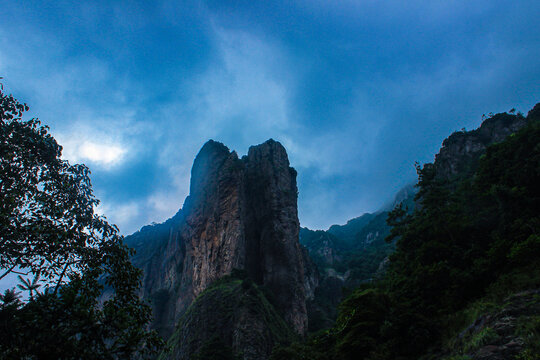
(348, 256)
(529, 329)
(364, 263)
(215, 349)
(47, 218)
(464, 237)
(359, 323)
(298, 351)
(233, 310)
(354, 335)
(474, 235)
(49, 231)
(483, 337)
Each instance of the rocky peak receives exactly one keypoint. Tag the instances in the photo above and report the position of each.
(207, 165)
(534, 113)
(270, 155)
(274, 257)
(240, 214)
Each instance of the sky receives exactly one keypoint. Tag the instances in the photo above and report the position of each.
(356, 91)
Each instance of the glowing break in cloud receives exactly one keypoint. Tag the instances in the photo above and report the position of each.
(104, 154)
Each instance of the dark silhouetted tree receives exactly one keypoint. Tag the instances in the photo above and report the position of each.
(49, 231)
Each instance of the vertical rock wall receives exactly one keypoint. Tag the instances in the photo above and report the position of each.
(274, 257)
(240, 214)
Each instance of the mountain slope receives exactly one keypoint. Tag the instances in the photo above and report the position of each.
(232, 317)
(347, 256)
(464, 279)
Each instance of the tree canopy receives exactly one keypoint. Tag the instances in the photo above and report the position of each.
(65, 253)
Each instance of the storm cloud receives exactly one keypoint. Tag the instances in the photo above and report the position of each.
(357, 91)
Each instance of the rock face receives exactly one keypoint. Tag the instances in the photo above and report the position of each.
(504, 333)
(240, 214)
(274, 256)
(325, 248)
(461, 150)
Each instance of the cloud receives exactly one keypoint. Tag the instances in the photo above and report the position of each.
(99, 143)
(356, 91)
(240, 99)
(164, 204)
(105, 155)
(244, 90)
(132, 215)
(119, 213)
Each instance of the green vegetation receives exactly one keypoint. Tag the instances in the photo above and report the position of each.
(486, 336)
(473, 241)
(355, 332)
(215, 349)
(363, 263)
(351, 257)
(233, 304)
(357, 247)
(347, 256)
(65, 255)
(529, 330)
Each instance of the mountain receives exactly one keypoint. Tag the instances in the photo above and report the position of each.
(232, 274)
(357, 249)
(348, 232)
(347, 256)
(333, 248)
(240, 215)
(464, 278)
(232, 317)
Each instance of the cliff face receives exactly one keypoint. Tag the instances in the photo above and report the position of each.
(461, 150)
(212, 232)
(274, 257)
(240, 214)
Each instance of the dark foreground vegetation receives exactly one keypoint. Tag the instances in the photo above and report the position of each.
(468, 255)
(64, 254)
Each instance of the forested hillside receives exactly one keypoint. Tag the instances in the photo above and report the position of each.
(347, 256)
(468, 255)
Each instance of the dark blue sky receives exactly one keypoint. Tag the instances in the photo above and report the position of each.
(357, 91)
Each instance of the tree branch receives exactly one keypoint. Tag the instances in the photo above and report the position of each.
(7, 272)
(61, 277)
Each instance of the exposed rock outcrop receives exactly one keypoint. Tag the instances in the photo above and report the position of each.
(240, 214)
(504, 333)
(461, 150)
(274, 256)
(325, 249)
